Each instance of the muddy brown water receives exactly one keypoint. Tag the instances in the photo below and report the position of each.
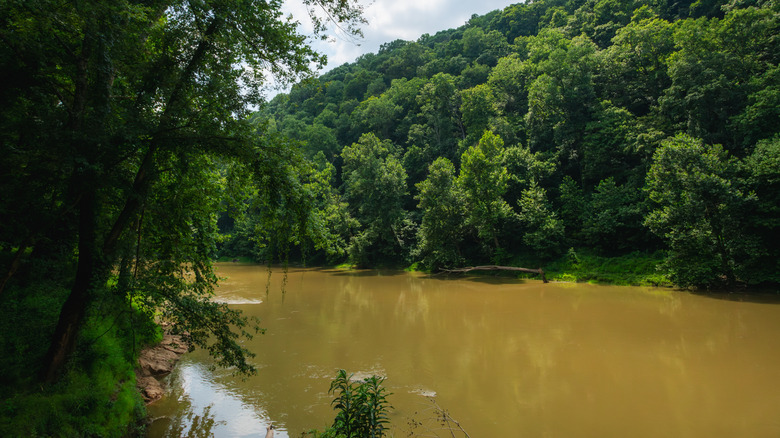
(504, 358)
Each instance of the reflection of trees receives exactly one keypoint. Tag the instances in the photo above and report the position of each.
(182, 419)
(433, 421)
(188, 423)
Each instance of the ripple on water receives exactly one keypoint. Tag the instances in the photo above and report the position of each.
(238, 301)
(423, 392)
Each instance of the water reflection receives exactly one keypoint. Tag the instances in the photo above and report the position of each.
(504, 357)
(194, 392)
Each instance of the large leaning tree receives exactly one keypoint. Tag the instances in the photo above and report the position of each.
(123, 125)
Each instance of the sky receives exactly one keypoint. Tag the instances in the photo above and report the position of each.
(389, 20)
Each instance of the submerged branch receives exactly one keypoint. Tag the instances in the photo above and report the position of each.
(539, 271)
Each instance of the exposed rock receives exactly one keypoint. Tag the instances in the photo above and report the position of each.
(157, 361)
(151, 388)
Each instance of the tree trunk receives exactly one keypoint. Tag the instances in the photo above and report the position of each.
(74, 309)
(92, 261)
(539, 271)
(14, 266)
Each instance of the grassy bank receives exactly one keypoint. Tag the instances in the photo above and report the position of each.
(96, 395)
(634, 269)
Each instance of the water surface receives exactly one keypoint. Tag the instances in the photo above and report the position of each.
(504, 357)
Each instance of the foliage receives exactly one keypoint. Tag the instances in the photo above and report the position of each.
(442, 202)
(375, 184)
(613, 222)
(126, 130)
(483, 180)
(762, 168)
(580, 94)
(97, 395)
(543, 230)
(135, 115)
(361, 408)
(700, 207)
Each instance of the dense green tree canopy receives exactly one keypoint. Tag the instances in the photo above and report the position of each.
(580, 95)
(375, 185)
(701, 205)
(123, 125)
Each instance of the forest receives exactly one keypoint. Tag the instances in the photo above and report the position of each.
(137, 148)
(548, 128)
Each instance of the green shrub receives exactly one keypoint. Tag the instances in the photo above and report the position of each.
(361, 408)
(96, 395)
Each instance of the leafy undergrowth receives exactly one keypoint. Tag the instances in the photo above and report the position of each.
(96, 395)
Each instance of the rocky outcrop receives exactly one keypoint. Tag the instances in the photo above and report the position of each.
(155, 362)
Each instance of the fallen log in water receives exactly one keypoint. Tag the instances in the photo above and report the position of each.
(539, 271)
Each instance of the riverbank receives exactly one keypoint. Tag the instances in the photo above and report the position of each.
(157, 361)
(95, 396)
(634, 269)
(582, 266)
(575, 266)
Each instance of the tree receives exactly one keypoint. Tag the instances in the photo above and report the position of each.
(508, 82)
(375, 185)
(762, 170)
(442, 203)
(561, 98)
(543, 230)
(613, 146)
(377, 115)
(614, 219)
(524, 168)
(126, 101)
(319, 138)
(483, 179)
(405, 61)
(711, 77)
(441, 121)
(699, 210)
(521, 19)
(572, 208)
(634, 69)
(478, 108)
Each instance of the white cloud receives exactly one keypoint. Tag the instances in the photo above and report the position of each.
(389, 20)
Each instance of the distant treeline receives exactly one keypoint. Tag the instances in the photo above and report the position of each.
(614, 126)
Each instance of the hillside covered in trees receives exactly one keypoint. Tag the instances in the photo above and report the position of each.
(613, 127)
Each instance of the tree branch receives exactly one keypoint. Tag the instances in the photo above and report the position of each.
(539, 271)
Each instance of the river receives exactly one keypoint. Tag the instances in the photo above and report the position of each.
(504, 357)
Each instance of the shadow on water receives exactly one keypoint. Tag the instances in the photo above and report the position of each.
(741, 296)
(279, 269)
(359, 272)
(485, 278)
